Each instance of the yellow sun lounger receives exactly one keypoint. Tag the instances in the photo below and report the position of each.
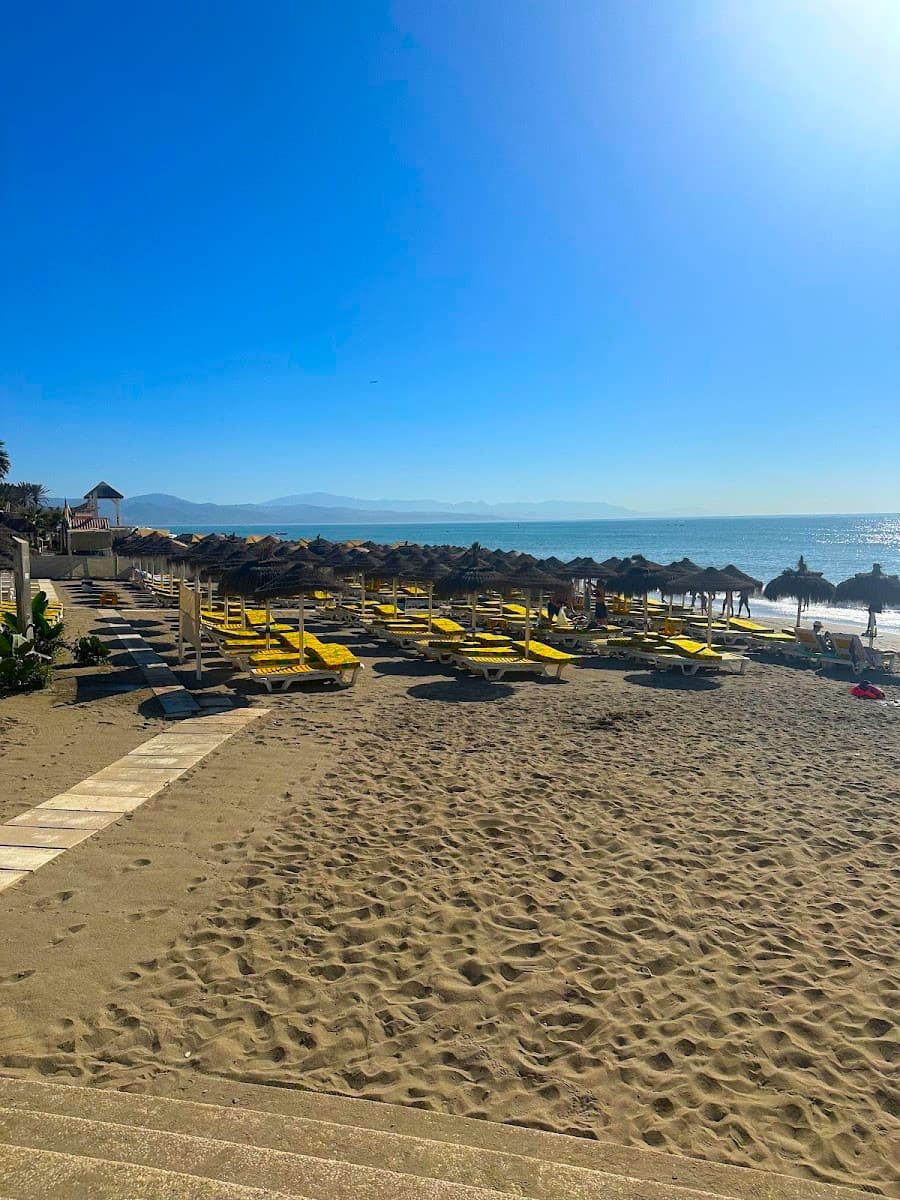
(544, 653)
(292, 639)
(329, 660)
(494, 666)
(334, 655)
(446, 626)
(288, 673)
(693, 649)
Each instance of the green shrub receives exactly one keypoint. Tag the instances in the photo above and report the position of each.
(89, 651)
(22, 669)
(24, 673)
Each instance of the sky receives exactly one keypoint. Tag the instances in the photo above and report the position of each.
(620, 250)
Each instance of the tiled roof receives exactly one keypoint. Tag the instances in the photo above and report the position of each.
(79, 523)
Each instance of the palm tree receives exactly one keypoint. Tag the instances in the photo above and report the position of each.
(31, 496)
(4, 460)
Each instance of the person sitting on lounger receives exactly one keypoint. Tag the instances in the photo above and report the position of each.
(823, 637)
(552, 610)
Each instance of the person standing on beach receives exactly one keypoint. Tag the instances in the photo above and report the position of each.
(744, 601)
(601, 613)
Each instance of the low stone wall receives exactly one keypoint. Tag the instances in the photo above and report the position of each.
(79, 566)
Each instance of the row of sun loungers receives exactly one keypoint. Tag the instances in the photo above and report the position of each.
(840, 649)
(490, 655)
(274, 660)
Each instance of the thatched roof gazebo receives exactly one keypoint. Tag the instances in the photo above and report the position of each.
(103, 491)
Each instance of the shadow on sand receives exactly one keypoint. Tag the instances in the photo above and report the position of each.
(669, 681)
(461, 691)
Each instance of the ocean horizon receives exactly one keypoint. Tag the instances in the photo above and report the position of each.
(838, 546)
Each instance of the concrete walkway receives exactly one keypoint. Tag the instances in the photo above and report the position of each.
(42, 833)
(176, 700)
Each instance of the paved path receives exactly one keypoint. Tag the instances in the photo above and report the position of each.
(176, 700)
(38, 836)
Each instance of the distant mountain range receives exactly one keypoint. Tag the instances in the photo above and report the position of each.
(544, 510)
(313, 508)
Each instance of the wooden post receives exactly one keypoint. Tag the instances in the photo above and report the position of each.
(199, 637)
(22, 577)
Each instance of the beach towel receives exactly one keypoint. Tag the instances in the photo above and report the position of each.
(867, 691)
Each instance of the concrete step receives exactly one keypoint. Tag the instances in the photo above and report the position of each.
(228, 1162)
(48, 1175)
(719, 1179)
(405, 1152)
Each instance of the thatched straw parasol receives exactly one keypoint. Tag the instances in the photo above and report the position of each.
(875, 590)
(299, 579)
(747, 582)
(636, 579)
(434, 569)
(530, 577)
(253, 581)
(638, 560)
(469, 575)
(712, 580)
(801, 584)
(589, 570)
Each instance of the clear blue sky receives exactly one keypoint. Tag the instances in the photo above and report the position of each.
(635, 251)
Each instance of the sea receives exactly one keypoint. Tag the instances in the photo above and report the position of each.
(838, 546)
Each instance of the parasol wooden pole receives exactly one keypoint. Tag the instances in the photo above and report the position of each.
(527, 621)
(709, 618)
(268, 623)
(430, 603)
(301, 615)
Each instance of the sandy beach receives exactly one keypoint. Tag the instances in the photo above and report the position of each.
(654, 910)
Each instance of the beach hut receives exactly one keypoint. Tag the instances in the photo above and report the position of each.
(801, 584)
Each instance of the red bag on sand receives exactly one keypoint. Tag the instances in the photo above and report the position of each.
(867, 691)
